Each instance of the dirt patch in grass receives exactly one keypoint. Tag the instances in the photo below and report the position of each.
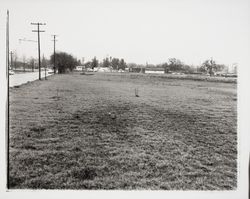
(37, 129)
(91, 132)
(84, 173)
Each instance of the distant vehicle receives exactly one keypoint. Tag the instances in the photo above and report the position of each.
(230, 75)
(104, 69)
(226, 74)
(11, 72)
(50, 71)
(89, 70)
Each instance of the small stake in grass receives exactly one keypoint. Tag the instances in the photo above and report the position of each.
(112, 115)
(136, 92)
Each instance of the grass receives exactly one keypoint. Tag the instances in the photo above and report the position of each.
(178, 135)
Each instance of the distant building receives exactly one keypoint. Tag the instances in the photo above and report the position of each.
(103, 69)
(79, 68)
(155, 70)
(137, 70)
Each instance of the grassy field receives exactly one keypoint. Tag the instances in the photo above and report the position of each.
(90, 132)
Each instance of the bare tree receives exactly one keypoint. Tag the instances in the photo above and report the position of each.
(24, 62)
(32, 63)
(15, 58)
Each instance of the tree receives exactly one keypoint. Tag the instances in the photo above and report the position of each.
(209, 66)
(122, 64)
(45, 62)
(175, 64)
(24, 62)
(32, 63)
(106, 62)
(188, 69)
(94, 63)
(64, 62)
(87, 64)
(115, 63)
(165, 66)
(132, 65)
(15, 58)
(219, 67)
(79, 62)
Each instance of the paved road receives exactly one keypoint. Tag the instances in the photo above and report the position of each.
(22, 78)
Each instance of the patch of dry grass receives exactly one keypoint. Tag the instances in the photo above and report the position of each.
(177, 135)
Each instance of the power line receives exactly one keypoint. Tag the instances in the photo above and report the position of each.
(29, 40)
(38, 34)
(54, 40)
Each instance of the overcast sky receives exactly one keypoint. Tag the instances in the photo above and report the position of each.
(139, 31)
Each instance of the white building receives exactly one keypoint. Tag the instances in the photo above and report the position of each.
(103, 69)
(80, 68)
(155, 70)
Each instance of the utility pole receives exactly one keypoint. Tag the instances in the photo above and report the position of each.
(38, 34)
(54, 39)
(7, 114)
(7, 44)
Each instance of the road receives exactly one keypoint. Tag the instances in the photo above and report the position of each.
(22, 78)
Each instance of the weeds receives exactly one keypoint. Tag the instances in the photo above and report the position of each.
(136, 92)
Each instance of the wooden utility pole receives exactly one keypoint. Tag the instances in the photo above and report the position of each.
(7, 111)
(38, 34)
(7, 44)
(54, 40)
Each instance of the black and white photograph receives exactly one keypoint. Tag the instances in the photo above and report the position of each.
(125, 95)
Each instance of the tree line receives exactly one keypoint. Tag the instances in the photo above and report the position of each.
(67, 62)
(175, 65)
(24, 63)
(108, 62)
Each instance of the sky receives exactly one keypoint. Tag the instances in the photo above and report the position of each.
(139, 31)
